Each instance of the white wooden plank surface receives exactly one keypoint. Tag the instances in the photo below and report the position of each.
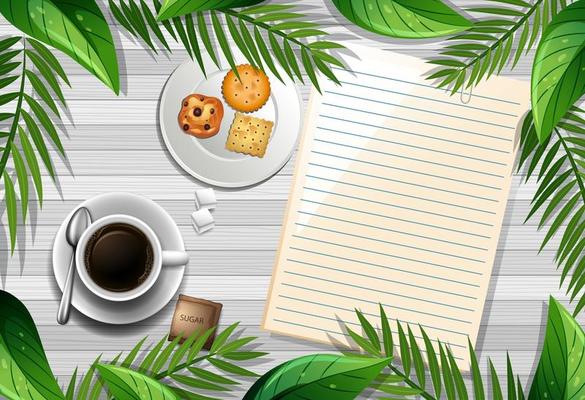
(113, 143)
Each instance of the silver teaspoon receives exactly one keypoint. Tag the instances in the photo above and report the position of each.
(78, 223)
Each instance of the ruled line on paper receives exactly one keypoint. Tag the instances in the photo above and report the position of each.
(418, 109)
(393, 230)
(370, 289)
(362, 300)
(394, 218)
(358, 325)
(416, 134)
(427, 98)
(407, 158)
(389, 242)
(449, 128)
(347, 335)
(393, 268)
(423, 85)
(377, 252)
(391, 167)
(352, 310)
(451, 293)
(405, 183)
(396, 206)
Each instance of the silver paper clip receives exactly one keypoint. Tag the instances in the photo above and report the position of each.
(465, 101)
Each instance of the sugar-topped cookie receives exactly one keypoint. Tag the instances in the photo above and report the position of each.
(248, 93)
(201, 115)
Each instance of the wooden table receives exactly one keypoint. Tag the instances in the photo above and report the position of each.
(113, 144)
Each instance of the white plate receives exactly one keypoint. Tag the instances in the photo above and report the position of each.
(207, 159)
(165, 287)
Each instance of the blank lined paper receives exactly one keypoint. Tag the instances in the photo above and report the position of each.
(398, 198)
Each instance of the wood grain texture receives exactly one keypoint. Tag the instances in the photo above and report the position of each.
(113, 144)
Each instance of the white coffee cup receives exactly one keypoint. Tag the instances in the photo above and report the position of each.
(161, 258)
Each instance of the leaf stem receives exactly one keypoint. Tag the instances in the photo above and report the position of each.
(179, 367)
(16, 117)
(502, 38)
(573, 164)
(265, 26)
(412, 384)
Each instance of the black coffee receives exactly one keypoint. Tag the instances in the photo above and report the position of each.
(118, 257)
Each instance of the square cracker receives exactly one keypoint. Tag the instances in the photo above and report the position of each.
(249, 135)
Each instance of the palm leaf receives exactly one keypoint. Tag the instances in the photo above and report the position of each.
(182, 364)
(266, 35)
(504, 31)
(560, 195)
(446, 378)
(15, 146)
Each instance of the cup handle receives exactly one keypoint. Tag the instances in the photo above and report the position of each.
(174, 258)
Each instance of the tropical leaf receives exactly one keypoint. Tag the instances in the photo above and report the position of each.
(404, 18)
(25, 372)
(318, 376)
(558, 167)
(266, 35)
(558, 72)
(80, 31)
(178, 8)
(19, 148)
(501, 34)
(561, 370)
(437, 362)
(180, 363)
(128, 384)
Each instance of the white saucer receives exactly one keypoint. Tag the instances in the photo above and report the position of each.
(163, 290)
(207, 159)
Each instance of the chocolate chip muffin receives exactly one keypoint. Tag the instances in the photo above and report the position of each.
(201, 115)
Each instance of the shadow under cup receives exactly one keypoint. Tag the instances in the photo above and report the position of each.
(119, 257)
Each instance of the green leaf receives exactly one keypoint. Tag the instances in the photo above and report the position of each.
(561, 369)
(32, 162)
(9, 42)
(318, 376)
(404, 350)
(176, 8)
(22, 175)
(47, 73)
(23, 355)
(42, 116)
(386, 333)
(558, 75)
(231, 368)
(369, 330)
(417, 360)
(41, 90)
(223, 42)
(164, 356)
(243, 355)
(71, 386)
(211, 376)
(478, 390)
(404, 18)
(496, 388)
(132, 355)
(151, 356)
(79, 30)
(11, 205)
(222, 337)
(37, 138)
(131, 385)
(86, 381)
(433, 363)
(198, 383)
(49, 58)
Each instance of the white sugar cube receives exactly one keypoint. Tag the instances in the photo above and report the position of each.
(202, 220)
(205, 198)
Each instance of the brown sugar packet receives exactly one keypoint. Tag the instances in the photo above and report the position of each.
(192, 314)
